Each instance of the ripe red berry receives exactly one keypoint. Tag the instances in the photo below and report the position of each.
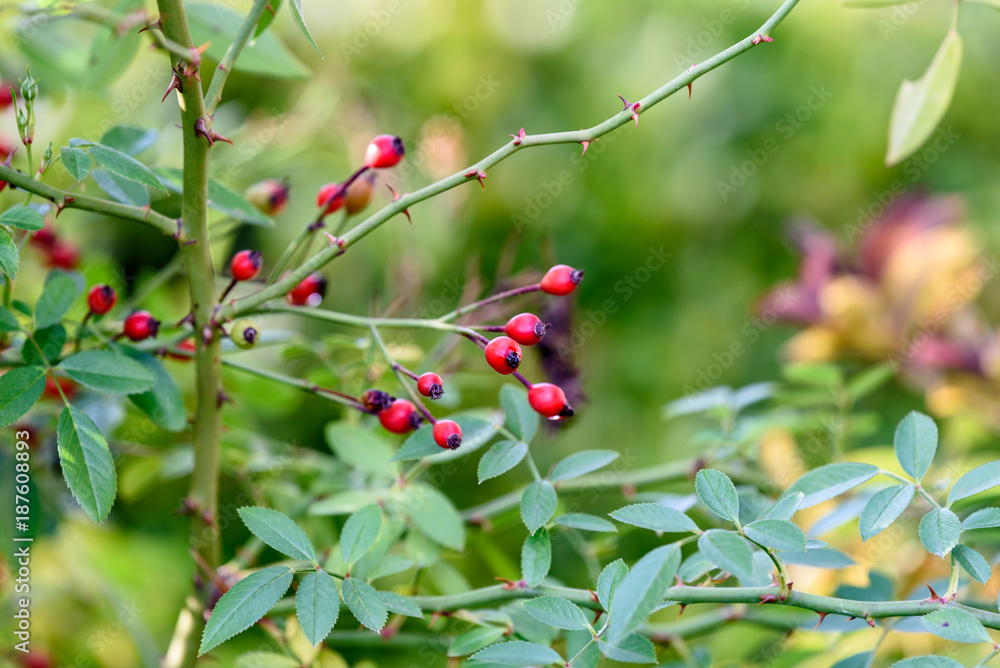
(526, 328)
(448, 434)
(384, 151)
(430, 385)
(329, 198)
(400, 417)
(44, 238)
(185, 351)
(6, 98)
(561, 280)
(503, 354)
(51, 390)
(246, 264)
(101, 298)
(549, 400)
(270, 196)
(141, 325)
(63, 256)
(309, 292)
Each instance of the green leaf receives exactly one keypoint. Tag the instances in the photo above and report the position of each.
(57, 297)
(121, 189)
(828, 481)
(300, 21)
(578, 645)
(77, 162)
(883, 508)
(361, 449)
(580, 463)
(860, 660)
(785, 507)
(10, 259)
(557, 611)
(955, 624)
(538, 503)
(267, 18)
(51, 341)
(265, 56)
(585, 522)
(317, 605)
(108, 372)
(916, 442)
(22, 217)
(814, 374)
(86, 463)
(975, 481)
(987, 518)
(521, 418)
(995, 4)
(717, 491)
(940, 531)
(633, 649)
(728, 551)
(265, 660)
(536, 557)
(365, 603)
(8, 321)
(112, 50)
(163, 403)
(278, 531)
(474, 640)
(608, 582)
(777, 535)
(20, 389)
(694, 566)
(920, 105)
(641, 591)
(130, 139)
(220, 197)
(655, 516)
(518, 653)
(243, 605)
(869, 380)
(929, 661)
(391, 564)
(500, 458)
(401, 605)
(435, 516)
(360, 532)
(476, 431)
(974, 563)
(121, 164)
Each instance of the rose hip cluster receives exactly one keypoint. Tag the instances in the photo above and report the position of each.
(503, 354)
(57, 252)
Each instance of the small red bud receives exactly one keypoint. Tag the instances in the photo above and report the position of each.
(503, 354)
(309, 292)
(246, 264)
(448, 434)
(526, 328)
(400, 417)
(384, 151)
(101, 299)
(561, 280)
(141, 325)
(430, 385)
(549, 400)
(330, 196)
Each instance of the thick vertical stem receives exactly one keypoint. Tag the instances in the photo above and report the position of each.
(208, 360)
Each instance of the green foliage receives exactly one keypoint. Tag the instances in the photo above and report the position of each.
(280, 532)
(244, 604)
(86, 463)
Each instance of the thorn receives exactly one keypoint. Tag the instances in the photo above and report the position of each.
(783, 593)
(586, 145)
(208, 520)
(175, 84)
(512, 584)
(207, 334)
(396, 196)
(761, 38)
(680, 583)
(681, 611)
(334, 241)
(628, 491)
(155, 25)
(822, 616)
(180, 229)
(850, 619)
(201, 130)
(188, 506)
(224, 398)
(593, 597)
(934, 598)
(597, 615)
(635, 114)
(214, 137)
(870, 620)
(624, 102)
(768, 598)
(479, 175)
(519, 137)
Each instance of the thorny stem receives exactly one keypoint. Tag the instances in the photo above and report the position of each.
(400, 376)
(214, 93)
(355, 234)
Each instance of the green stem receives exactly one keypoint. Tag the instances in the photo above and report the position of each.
(988, 658)
(214, 94)
(920, 490)
(400, 376)
(68, 200)
(368, 322)
(312, 388)
(355, 234)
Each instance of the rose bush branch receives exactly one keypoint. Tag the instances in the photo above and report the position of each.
(628, 114)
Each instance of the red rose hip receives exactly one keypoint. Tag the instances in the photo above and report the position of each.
(448, 434)
(141, 325)
(101, 299)
(526, 328)
(309, 292)
(270, 196)
(384, 151)
(330, 196)
(549, 400)
(400, 417)
(561, 280)
(503, 354)
(246, 264)
(430, 385)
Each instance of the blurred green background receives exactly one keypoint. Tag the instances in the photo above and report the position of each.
(794, 128)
